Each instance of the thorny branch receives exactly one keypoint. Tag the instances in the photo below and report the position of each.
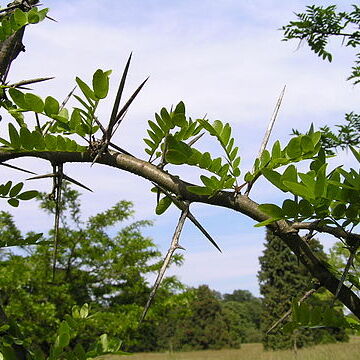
(241, 203)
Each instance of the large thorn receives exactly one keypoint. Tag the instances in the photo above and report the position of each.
(173, 247)
(115, 109)
(17, 168)
(182, 206)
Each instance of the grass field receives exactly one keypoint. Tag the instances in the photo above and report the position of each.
(345, 351)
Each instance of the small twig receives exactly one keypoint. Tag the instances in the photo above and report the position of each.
(287, 314)
(173, 247)
(344, 274)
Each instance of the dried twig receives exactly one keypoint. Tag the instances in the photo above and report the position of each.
(287, 314)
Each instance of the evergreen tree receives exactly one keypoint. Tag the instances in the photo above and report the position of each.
(282, 279)
(207, 326)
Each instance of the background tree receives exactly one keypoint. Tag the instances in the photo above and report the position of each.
(108, 271)
(243, 310)
(206, 327)
(283, 280)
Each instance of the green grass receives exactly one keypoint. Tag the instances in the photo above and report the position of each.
(341, 351)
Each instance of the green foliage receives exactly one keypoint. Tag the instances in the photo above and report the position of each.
(318, 24)
(13, 193)
(330, 196)
(62, 348)
(14, 21)
(206, 327)
(167, 136)
(92, 266)
(305, 316)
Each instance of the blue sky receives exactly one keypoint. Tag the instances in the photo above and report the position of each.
(222, 58)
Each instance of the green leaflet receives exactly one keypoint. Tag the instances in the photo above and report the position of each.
(272, 210)
(163, 205)
(89, 94)
(177, 151)
(14, 137)
(100, 84)
(51, 106)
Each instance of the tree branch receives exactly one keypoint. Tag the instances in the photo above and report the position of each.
(242, 204)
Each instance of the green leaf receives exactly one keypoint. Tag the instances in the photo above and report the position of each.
(293, 149)
(166, 118)
(290, 208)
(156, 129)
(60, 143)
(26, 139)
(51, 106)
(50, 142)
(38, 140)
(42, 13)
(320, 187)
(4, 189)
(298, 189)
(62, 340)
(355, 153)
(100, 84)
(233, 153)
(264, 158)
(33, 16)
(266, 222)
(75, 119)
(163, 205)
(276, 150)
(199, 190)
(20, 17)
(274, 177)
(225, 134)
(34, 103)
(84, 311)
(89, 94)
(180, 108)
(71, 145)
(205, 161)
(307, 144)
(218, 126)
(211, 183)
(28, 195)
(290, 174)
(32, 239)
(215, 165)
(18, 98)
(271, 210)
(177, 151)
(14, 137)
(16, 189)
(305, 208)
(13, 202)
